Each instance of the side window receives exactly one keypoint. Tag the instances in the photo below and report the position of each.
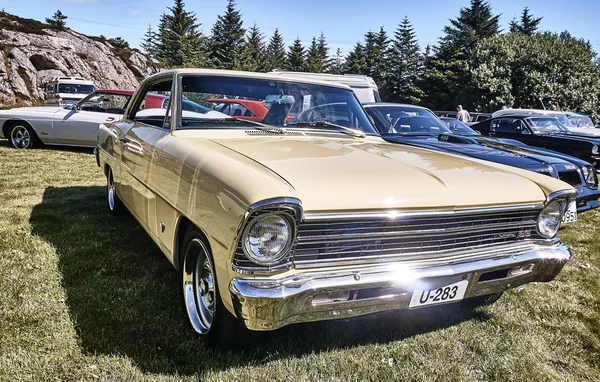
(505, 125)
(154, 115)
(105, 103)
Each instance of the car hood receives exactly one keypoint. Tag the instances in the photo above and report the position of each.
(585, 130)
(351, 174)
(481, 148)
(578, 136)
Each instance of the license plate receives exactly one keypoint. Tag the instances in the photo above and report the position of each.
(570, 215)
(447, 293)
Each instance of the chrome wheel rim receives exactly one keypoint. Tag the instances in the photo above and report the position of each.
(20, 137)
(111, 194)
(199, 287)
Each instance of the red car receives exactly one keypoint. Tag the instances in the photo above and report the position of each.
(239, 108)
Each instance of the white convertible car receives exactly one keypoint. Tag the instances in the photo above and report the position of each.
(77, 125)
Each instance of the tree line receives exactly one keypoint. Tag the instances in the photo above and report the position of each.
(474, 63)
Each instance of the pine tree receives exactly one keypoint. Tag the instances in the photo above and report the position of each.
(57, 19)
(405, 66)
(323, 49)
(446, 73)
(180, 41)
(471, 26)
(337, 65)
(356, 61)
(313, 61)
(276, 51)
(227, 38)
(253, 57)
(376, 46)
(150, 42)
(295, 56)
(527, 25)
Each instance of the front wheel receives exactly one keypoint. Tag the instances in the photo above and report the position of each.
(206, 313)
(22, 136)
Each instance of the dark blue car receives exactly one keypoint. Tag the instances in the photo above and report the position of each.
(417, 126)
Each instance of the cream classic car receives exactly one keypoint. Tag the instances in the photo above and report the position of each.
(277, 222)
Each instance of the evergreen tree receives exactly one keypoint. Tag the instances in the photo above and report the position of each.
(295, 56)
(227, 38)
(376, 46)
(355, 61)
(528, 24)
(118, 42)
(276, 52)
(57, 19)
(471, 26)
(337, 65)
(253, 57)
(150, 42)
(313, 61)
(323, 49)
(446, 72)
(180, 41)
(405, 66)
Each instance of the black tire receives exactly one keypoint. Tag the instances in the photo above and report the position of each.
(488, 299)
(21, 136)
(201, 299)
(114, 204)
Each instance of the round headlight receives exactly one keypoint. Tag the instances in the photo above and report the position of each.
(588, 175)
(267, 239)
(595, 149)
(549, 220)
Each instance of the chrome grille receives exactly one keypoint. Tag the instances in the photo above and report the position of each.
(370, 240)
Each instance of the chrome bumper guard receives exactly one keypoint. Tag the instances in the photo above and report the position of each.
(268, 304)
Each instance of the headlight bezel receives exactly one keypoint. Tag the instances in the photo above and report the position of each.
(543, 229)
(595, 150)
(276, 259)
(589, 175)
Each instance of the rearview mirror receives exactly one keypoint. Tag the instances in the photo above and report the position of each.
(280, 99)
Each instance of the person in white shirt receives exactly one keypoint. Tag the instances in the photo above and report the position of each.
(508, 105)
(462, 115)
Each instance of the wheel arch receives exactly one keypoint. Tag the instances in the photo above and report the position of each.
(182, 227)
(13, 121)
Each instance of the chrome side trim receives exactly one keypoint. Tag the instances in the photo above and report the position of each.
(399, 214)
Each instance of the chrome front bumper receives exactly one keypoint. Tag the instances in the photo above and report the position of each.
(268, 304)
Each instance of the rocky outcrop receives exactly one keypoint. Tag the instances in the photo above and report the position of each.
(31, 53)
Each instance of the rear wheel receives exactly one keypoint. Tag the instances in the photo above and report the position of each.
(22, 136)
(202, 302)
(115, 206)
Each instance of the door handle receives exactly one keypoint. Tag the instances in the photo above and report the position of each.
(110, 119)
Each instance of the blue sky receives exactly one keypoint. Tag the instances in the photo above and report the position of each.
(344, 22)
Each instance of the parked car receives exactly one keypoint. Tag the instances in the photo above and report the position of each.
(543, 131)
(77, 125)
(575, 122)
(475, 116)
(276, 223)
(249, 110)
(65, 91)
(418, 126)
(364, 87)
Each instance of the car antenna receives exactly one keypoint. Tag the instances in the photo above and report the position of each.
(542, 102)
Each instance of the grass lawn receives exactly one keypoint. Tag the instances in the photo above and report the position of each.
(84, 296)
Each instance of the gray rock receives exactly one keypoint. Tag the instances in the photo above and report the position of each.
(28, 61)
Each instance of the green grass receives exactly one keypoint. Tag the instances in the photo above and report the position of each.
(84, 296)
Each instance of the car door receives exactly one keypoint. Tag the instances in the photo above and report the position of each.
(149, 126)
(78, 125)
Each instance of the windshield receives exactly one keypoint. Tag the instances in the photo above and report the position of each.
(76, 88)
(580, 121)
(546, 125)
(406, 120)
(458, 127)
(286, 103)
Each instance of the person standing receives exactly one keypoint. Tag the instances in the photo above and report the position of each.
(462, 114)
(508, 105)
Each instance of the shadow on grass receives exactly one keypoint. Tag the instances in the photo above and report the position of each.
(122, 294)
(74, 149)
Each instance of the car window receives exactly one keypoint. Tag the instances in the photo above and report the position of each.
(545, 125)
(233, 109)
(287, 103)
(506, 125)
(406, 120)
(76, 88)
(154, 114)
(458, 127)
(104, 103)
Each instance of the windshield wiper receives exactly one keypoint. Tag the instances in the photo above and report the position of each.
(256, 125)
(339, 128)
